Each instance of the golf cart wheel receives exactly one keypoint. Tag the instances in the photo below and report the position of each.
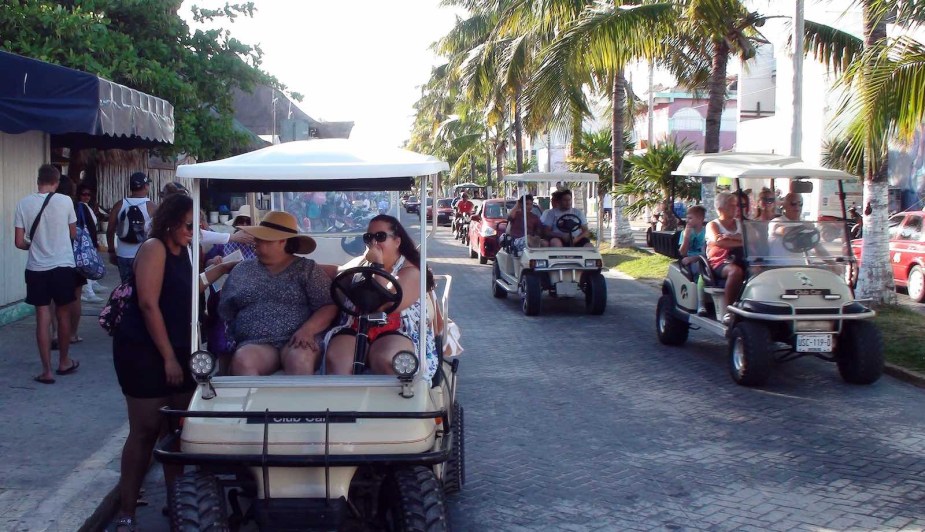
(454, 471)
(595, 288)
(472, 253)
(414, 501)
(859, 352)
(198, 504)
(671, 330)
(531, 292)
(496, 290)
(750, 355)
(917, 284)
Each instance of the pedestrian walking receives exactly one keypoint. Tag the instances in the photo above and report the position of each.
(45, 225)
(86, 218)
(128, 221)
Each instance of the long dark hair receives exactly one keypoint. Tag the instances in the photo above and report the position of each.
(407, 248)
(170, 214)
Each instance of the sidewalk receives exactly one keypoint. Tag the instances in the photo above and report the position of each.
(60, 443)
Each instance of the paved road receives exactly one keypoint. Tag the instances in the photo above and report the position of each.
(587, 423)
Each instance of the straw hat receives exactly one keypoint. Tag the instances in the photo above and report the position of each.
(245, 210)
(279, 225)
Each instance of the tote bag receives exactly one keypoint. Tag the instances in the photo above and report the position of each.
(86, 257)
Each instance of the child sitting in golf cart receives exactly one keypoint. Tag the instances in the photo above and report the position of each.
(693, 244)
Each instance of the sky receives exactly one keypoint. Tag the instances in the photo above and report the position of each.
(359, 60)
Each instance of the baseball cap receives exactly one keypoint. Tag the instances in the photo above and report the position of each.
(138, 180)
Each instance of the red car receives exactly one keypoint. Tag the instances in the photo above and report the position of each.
(444, 211)
(483, 227)
(907, 252)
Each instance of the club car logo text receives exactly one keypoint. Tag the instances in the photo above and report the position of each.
(299, 420)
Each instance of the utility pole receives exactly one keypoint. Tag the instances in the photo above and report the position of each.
(796, 131)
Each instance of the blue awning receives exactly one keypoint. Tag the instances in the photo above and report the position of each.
(83, 109)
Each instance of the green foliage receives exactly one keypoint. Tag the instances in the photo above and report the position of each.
(147, 46)
(650, 180)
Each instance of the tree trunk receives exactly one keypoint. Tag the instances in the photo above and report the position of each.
(875, 278)
(621, 234)
(518, 133)
(717, 100)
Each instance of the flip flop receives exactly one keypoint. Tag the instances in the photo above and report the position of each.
(77, 341)
(43, 380)
(74, 365)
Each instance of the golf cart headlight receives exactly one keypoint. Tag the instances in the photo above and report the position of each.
(201, 364)
(539, 263)
(405, 364)
(592, 263)
(488, 231)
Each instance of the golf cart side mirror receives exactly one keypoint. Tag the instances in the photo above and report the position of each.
(801, 187)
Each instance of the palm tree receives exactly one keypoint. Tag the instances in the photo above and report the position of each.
(651, 182)
(885, 82)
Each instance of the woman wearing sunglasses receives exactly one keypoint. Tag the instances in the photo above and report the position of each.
(388, 246)
(151, 344)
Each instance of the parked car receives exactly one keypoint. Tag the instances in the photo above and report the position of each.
(907, 252)
(444, 211)
(484, 230)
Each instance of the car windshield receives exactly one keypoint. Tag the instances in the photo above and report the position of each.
(333, 212)
(495, 210)
(444, 203)
(800, 243)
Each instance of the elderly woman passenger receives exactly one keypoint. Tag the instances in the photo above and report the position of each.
(279, 304)
(724, 236)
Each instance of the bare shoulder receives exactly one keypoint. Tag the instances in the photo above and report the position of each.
(152, 248)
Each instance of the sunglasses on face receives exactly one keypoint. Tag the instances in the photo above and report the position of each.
(767, 201)
(378, 236)
(188, 225)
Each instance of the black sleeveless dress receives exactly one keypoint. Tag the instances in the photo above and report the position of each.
(139, 365)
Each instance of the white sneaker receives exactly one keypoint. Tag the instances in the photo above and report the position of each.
(91, 298)
(96, 286)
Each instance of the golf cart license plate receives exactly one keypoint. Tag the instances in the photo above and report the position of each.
(814, 343)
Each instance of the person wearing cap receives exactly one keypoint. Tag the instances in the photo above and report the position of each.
(123, 254)
(278, 304)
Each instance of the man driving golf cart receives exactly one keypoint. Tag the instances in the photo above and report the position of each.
(575, 233)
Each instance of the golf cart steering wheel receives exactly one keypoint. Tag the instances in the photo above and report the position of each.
(367, 295)
(568, 223)
(801, 239)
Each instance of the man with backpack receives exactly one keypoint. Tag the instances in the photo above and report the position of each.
(128, 221)
(45, 224)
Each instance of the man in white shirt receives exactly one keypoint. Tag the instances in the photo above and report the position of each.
(50, 270)
(123, 254)
(562, 205)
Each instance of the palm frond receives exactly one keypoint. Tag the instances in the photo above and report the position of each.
(834, 48)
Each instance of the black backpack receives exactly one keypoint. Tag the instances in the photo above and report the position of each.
(132, 224)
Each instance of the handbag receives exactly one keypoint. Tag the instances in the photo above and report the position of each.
(86, 258)
(451, 345)
(218, 335)
(121, 297)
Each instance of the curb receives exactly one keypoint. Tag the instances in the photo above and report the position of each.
(906, 375)
(102, 515)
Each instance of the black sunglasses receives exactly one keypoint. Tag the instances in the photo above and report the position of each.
(378, 236)
(767, 201)
(189, 226)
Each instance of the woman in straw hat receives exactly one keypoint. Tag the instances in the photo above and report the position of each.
(390, 247)
(278, 304)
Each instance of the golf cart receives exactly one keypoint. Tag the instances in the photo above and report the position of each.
(795, 301)
(564, 272)
(321, 452)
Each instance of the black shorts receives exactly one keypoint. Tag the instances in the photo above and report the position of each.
(56, 284)
(140, 369)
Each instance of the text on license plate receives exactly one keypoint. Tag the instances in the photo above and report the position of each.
(814, 343)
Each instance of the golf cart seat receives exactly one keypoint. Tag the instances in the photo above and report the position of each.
(709, 278)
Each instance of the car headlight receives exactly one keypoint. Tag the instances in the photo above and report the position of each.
(201, 364)
(405, 364)
(488, 231)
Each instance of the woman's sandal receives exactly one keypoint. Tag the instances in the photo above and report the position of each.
(126, 523)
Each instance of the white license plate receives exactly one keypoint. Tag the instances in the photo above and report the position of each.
(814, 343)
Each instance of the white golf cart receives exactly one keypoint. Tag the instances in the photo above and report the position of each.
(562, 271)
(795, 301)
(321, 452)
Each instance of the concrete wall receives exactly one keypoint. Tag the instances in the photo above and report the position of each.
(20, 158)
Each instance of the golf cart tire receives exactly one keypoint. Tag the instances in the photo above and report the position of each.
(859, 354)
(532, 293)
(482, 258)
(757, 357)
(415, 499)
(670, 330)
(496, 290)
(472, 253)
(198, 504)
(454, 471)
(595, 293)
(916, 284)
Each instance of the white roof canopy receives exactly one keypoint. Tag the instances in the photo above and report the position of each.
(754, 166)
(543, 177)
(317, 160)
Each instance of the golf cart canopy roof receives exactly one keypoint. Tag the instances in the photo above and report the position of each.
(543, 177)
(755, 166)
(312, 165)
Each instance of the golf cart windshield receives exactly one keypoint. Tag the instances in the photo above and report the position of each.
(334, 212)
(797, 243)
